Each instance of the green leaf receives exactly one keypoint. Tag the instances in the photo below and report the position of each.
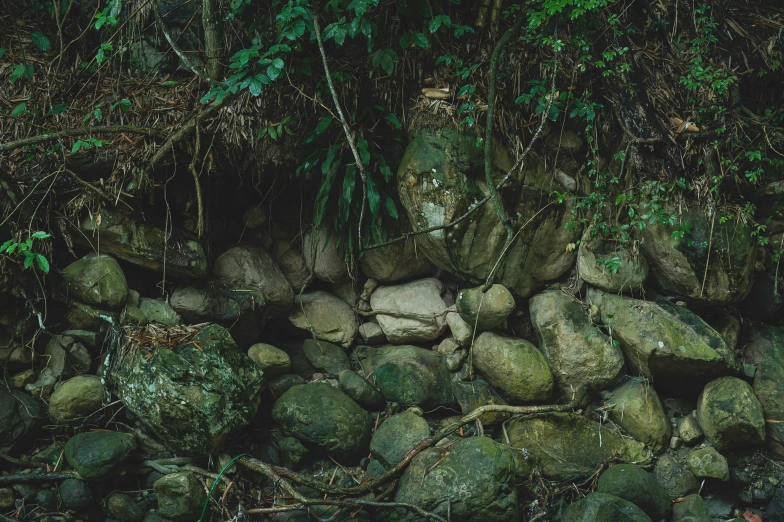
(21, 70)
(41, 41)
(58, 108)
(393, 119)
(364, 154)
(6, 245)
(28, 259)
(373, 197)
(78, 145)
(254, 87)
(19, 110)
(438, 21)
(43, 263)
(389, 205)
(420, 40)
(347, 194)
(3, 50)
(41, 235)
(169, 83)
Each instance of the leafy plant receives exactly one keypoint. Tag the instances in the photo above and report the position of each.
(25, 249)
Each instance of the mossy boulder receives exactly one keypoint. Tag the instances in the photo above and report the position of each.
(194, 395)
(577, 351)
(730, 414)
(180, 496)
(666, 342)
(97, 280)
(514, 366)
(637, 409)
(474, 481)
(609, 265)
(485, 310)
(96, 454)
(766, 346)
(359, 389)
(565, 446)
(691, 509)
(324, 419)
(143, 244)
(77, 397)
(397, 436)
(441, 176)
(325, 357)
(709, 463)
(325, 317)
(601, 507)
(674, 476)
(474, 394)
(678, 261)
(636, 485)
(19, 420)
(159, 311)
(219, 301)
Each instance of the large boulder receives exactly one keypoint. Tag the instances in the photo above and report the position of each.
(409, 375)
(678, 261)
(637, 409)
(324, 257)
(19, 414)
(765, 348)
(474, 481)
(77, 397)
(292, 264)
(485, 310)
(397, 436)
(415, 311)
(143, 244)
(609, 265)
(441, 177)
(193, 395)
(565, 446)
(577, 352)
(639, 487)
(180, 496)
(730, 415)
(674, 476)
(666, 342)
(218, 301)
(255, 267)
(325, 317)
(395, 263)
(601, 507)
(97, 281)
(324, 419)
(96, 454)
(514, 366)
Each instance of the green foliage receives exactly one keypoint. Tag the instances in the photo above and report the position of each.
(25, 249)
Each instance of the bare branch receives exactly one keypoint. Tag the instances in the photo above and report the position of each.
(198, 71)
(82, 131)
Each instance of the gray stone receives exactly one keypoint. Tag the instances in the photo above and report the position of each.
(325, 419)
(124, 508)
(610, 266)
(577, 351)
(219, 301)
(324, 257)
(689, 430)
(477, 471)
(674, 476)
(157, 311)
(326, 357)
(474, 394)
(485, 310)
(97, 281)
(47, 500)
(77, 397)
(372, 334)
(96, 454)
(76, 494)
(194, 395)
(416, 310)
(292, 264)
(691, 509)
(765, 347)
(282, 383)
(19, 414)
(359, 389)
(395, 263)
(461, 330)
(730, 415)
(637, 409)
(293, 454)
(601, 507)
(514, 366)
(396, 436)
(180, 496)
(326, 317)
(272, 361)
(707, 462)
(85, 317)
(638, 487)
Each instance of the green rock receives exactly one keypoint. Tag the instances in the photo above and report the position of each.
(768, 343)
(665, 342)
(156, 311)
(396, 436)
(85, 317)
(47, 500)
(514, 366)
(474, 480)
(637, 409)
(326, 357)
(133, 315)
(124, 508)
(726, 248)
(77, 397)
(92, 340)
(691, 509)
(674, 476)
(485, 310)
(730, 415)
(707, 462)
(474, 394)
(180, 496)
(144, 245)
(97, 281)
(567, 446)
(95, 454)
(689, 430)
(629, 273)
(638, 487)
(324, 419)
(76, 494)
(283, 383)
(7, 498)
(19, 414)
(272, 361)
(577, 351)
(359, 389)
(220, 301)
(442, 174)
(293, 454)
(194, 395)
(411, 376)
(601, 507)
(152, 516)
(324, 316)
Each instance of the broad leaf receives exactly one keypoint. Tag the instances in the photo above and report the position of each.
(41, 41)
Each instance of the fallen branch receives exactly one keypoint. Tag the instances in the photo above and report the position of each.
(27, 478)
(347, 503)
(82, 131)
(179, 52)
